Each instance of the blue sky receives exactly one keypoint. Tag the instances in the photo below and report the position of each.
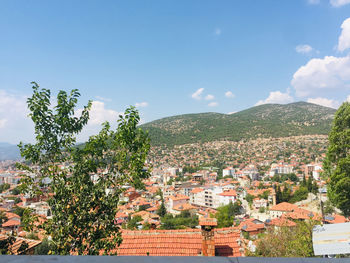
(172, 57)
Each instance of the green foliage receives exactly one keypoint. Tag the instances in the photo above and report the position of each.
(133, 222)
(44, 248)
(5, 245)
(162, 209)
(15, 191)
(17, 200)
(280, 178)
(28, 220)
(170, 182)
(249, 198)
(287, 241)
(33, 236)
(3, 217)
(83, 210)
(183, 220)
(265, 195)
(146, 226)
(4, 187)
(225, 215)
(328, 208)
(143, 207)
(269, 120)
(337, 162)
(300, 194)
(19, 211)
(262, 209)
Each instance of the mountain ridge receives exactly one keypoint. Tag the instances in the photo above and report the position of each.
(267, 120)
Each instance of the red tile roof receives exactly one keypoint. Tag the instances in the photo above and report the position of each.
(178, 243)
(17, 244)
(284, 206)
(230, 192)
(204, 221)
(11, 222)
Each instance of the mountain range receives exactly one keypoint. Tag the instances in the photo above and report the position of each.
(268, 120)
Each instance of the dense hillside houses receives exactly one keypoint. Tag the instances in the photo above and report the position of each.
(266, 185)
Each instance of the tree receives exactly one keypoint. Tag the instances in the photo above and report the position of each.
(337, 162)
(133, 222)
(28, 220)
(3, 217)
(225, 215)
(162, 209)
(287, 241)
(4, 187)
(43, 248)
(83, 209)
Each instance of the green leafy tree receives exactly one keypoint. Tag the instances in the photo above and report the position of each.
(15, 191)
(83, 209)
(184, 220)
(4, 187)
(5, 245)
(161, 210)
(3, 217)
(134, 222)
(337, 162)
(249, 198)
(44, 248)
(287, 241)
(225, 215)
(28, 220)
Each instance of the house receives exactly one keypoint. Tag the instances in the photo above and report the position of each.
(259, 202)
(226, 197)
(14, 248)
(252, 226)
(175, 201)
(282, 208)
(183, 242)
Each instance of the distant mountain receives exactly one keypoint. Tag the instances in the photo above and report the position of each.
(9, 152)
(268, 120)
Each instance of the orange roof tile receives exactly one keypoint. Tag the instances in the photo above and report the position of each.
(184, 242)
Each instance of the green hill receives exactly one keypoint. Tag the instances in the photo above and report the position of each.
(268, 120)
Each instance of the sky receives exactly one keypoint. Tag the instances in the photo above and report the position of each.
(171, 57)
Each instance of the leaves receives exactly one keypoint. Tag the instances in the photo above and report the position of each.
(337, 163)
(85, 181)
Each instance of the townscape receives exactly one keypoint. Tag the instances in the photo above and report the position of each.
(260, 184)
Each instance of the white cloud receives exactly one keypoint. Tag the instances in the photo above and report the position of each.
(103, 98)
(303, 49)
(209, 97)
(339, 3)
(313, 2)
(276, 97)
(344, 38)
(213, 104)
(322, 75)
(15, 126)
(324, 102)
(232, 112)
(348, 98)
(198, 94)
(99, 114)
(2, 123)
(141, 104)
(229, 94)
(217, 31)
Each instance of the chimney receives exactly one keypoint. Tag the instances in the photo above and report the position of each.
(208, 242)
(273, 197)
